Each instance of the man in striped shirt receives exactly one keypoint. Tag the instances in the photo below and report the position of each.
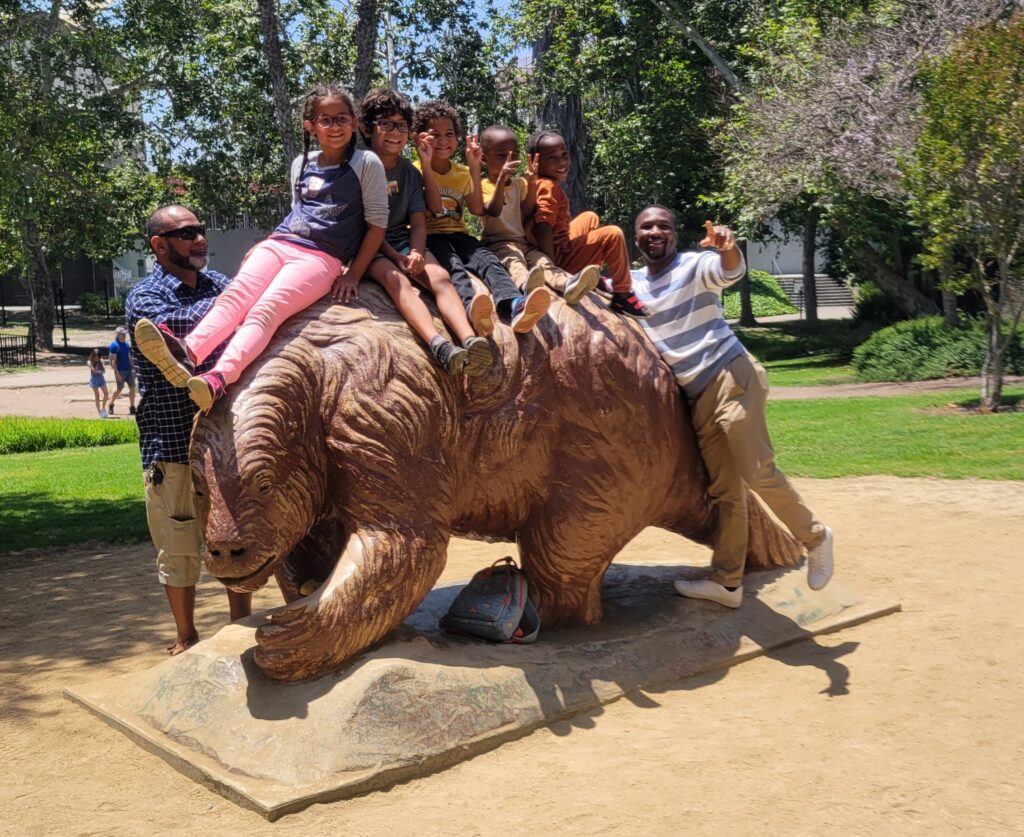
(727, 390)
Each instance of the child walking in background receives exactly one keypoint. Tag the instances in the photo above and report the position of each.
(385, 120)
(339, 214)
(574, 243)
(98, 381)
(508, 201)
(452, 187)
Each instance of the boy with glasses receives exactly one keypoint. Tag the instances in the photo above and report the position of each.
(385, 120)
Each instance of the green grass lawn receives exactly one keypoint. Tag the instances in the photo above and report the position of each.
(817, 371)
(906, 436)
(62, 497)
(797, 356)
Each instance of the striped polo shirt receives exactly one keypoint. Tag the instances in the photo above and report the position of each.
(686, 323)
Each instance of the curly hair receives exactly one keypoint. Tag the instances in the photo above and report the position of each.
(436, 109)
(537, 137)
(379, 103)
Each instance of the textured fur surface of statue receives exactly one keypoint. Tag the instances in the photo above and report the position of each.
(345, 456)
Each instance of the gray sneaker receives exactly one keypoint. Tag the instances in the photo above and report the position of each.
(819, 562)
(479, 354)
(581, 284)
(450, 357)
(534, 279)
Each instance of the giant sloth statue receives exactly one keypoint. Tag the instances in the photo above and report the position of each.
(344, 455)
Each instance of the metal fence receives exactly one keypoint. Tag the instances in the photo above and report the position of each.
(17, 350)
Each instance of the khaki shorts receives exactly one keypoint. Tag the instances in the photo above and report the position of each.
(171, 514)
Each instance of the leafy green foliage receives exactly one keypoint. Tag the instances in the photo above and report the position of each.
(23, 435)
(916, 350)
(766, 296)
(96, 305)
(875, 306)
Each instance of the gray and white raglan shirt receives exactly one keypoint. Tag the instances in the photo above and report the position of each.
(687, 323)
(332, 205)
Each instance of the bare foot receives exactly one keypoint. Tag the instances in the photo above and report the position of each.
(182, 645)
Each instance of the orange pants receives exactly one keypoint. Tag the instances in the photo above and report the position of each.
(592, 244)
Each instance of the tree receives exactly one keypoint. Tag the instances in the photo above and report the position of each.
(967, 178)
(71, 178)
(831, 111)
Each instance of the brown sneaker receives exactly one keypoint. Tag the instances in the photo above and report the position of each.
(527, 310)
(481, 314)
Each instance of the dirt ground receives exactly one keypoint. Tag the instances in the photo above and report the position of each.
(910, 724)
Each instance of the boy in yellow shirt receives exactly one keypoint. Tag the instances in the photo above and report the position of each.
(458, 187)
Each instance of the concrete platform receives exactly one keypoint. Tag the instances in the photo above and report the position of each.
(424, 700)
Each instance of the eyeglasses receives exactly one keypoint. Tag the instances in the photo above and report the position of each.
(387, 126)
(324, 121)
(188, 233)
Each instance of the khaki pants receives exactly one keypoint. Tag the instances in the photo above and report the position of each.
(729, 417)
(520, 258)
(171, 514)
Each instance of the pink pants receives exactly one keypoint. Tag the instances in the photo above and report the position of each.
(278, 279)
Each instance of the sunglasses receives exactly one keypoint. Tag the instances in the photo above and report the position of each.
(387, 126)
(189, 233)
(324, 121)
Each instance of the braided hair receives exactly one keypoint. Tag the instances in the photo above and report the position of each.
(310, 103)
(536, 138)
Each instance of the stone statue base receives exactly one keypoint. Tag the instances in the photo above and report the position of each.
(423, 700)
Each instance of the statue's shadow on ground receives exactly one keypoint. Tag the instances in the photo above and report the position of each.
(422, 700)
(649, 639)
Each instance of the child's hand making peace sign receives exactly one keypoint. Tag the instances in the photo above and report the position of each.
(508, 170)
(425, 147)
(532, 167)
(474, 153)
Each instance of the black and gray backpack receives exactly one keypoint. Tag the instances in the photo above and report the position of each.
(494, 606)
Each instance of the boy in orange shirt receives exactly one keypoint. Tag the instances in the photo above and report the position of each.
(574, 243)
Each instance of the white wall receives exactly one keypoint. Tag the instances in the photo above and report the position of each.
(781, 257)
(227, 247)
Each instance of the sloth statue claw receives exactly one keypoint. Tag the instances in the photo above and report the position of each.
(344, 456)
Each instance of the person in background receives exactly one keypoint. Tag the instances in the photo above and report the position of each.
(124, 371)
(98, 382)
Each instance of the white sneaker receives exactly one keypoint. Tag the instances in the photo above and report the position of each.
(103, 413)
(705, 588)
(819, 562)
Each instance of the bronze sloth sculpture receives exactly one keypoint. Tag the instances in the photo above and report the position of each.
(345, 456)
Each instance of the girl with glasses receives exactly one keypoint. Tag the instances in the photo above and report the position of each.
(326, 243)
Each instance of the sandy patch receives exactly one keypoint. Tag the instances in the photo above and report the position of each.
(909, 724)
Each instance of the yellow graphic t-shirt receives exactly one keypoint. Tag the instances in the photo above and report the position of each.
(454, 186)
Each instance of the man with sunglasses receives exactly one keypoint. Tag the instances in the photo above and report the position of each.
(178, 292)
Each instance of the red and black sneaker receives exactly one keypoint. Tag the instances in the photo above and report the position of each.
(604, 286)
(165, 351)
(626, 303)
(206, 389)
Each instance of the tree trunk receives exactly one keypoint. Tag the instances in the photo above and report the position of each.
(40, 288)
(810, 248)
(270, 31)
(992, 366)
(747, 319)
(910, 300)
(366, 47)
(950, 314)
(678, 18)
(563, 111)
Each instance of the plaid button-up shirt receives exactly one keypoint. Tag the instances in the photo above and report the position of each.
(166, 412)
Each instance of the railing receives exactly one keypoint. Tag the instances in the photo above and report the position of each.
(17, 349)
